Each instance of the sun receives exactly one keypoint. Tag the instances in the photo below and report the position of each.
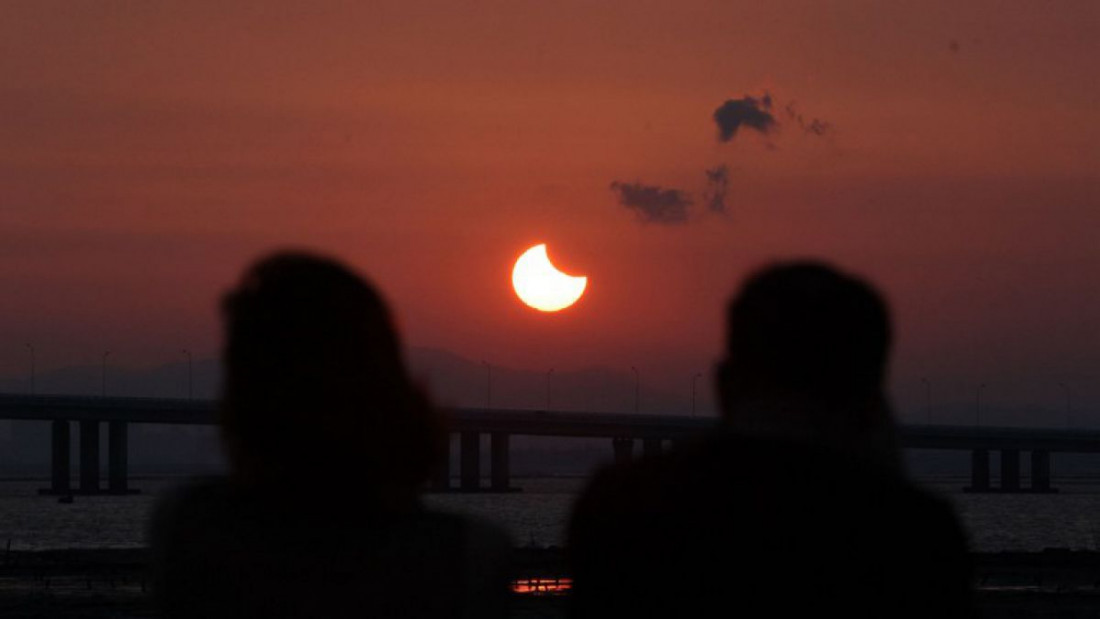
(541, 286)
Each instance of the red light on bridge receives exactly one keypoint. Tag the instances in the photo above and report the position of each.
(542, 586)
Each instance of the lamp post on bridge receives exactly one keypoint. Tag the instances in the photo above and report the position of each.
(488, 384)
(1066, 387)
(637, 387)
(103, 383)
(31, 348)
(190, 376)
(927, 400)
(694, 378)
(548, 375)
(978, 410)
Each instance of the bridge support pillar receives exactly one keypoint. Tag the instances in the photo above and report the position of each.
(979, 471)
(441, 479)
(1010, 470)
(89, 457)
(60, 468)
(651, 447)
(470, 461)
(624, 449)
(1040, 471)
(118, 454)
(498, 461)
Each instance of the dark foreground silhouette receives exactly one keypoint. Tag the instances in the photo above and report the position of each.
(329, 443)
(798, 506)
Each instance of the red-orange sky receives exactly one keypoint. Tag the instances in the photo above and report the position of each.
(148, 151)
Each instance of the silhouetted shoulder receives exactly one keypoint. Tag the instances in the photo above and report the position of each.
(766, 526)
(220, 550)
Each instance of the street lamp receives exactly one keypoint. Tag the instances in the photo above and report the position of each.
(488, 384)
(548, 375)
(693, 379)
(103, 384)
(1066, 387)
(190, 376)
(31, 348)
(927, 400)
(637, 387)
(978, 410)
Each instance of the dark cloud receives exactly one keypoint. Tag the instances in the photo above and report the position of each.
(750, 112)
(718, 180)
(652, 203)
(814, 126)
(953, 45)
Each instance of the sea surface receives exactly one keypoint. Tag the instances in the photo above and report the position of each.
(537, 515)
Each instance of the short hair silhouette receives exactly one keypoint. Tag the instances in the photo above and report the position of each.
(316, 388)
(806, 329)
(802, 486)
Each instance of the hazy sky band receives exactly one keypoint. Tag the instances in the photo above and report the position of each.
(147, 152)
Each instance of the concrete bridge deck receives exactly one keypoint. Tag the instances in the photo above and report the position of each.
(500, 424)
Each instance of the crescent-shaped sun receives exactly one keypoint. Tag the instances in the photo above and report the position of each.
(541, 286)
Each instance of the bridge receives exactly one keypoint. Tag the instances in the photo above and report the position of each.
(653, 431)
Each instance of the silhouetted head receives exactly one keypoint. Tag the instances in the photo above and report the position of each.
(809, 342)
(316, 392)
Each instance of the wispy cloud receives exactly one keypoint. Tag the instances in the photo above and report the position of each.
(813, 126)
(653, 203)
(718, 179)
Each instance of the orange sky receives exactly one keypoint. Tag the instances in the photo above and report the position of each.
(148, 151)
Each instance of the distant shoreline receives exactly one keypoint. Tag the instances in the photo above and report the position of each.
(961, 478)
(107, 582)
(1051, 569)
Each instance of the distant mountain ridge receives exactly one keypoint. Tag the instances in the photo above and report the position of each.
(451, 379)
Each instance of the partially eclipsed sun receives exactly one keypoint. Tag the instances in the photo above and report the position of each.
(543, 287)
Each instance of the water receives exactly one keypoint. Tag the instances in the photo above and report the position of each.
(538, 515)
(1030, 522)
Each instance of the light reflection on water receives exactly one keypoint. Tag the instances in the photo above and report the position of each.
(538, 515)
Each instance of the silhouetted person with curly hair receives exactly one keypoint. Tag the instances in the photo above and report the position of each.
(329, 443)
(797, 506)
